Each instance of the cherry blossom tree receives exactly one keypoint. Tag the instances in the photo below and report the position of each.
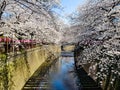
(99, 34)
(30, 19)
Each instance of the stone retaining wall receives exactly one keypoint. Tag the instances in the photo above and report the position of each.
(22, 66)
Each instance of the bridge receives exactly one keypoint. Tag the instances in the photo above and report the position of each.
(68, 46)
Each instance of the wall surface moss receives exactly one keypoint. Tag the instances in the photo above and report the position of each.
(22, 66)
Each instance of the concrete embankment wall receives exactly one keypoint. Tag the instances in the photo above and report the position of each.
(92, 69)
(21, 67)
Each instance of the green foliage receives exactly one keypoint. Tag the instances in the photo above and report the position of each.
(4, 71)
(2, 56)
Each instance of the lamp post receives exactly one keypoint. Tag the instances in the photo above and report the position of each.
(13, 36)
(32, 34)
(5, 69)
(6, 43)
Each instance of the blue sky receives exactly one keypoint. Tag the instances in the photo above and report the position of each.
(69, 6)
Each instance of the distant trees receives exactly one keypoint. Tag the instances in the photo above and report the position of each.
(99, 33)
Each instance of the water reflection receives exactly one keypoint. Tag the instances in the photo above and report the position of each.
(61, 75)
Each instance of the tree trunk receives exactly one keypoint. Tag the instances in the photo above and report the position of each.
(2, 8)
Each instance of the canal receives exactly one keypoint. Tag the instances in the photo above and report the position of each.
(60, 76)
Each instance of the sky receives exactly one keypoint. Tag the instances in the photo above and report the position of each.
(69, 6)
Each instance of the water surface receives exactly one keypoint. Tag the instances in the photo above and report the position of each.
(61, 76)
